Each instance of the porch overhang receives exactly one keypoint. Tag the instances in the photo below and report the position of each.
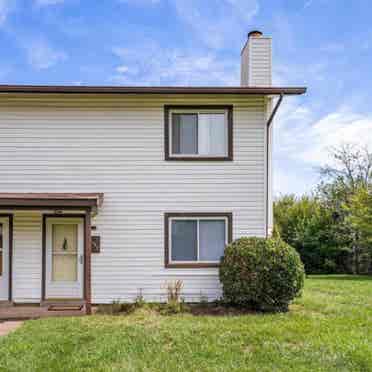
(54, 205)
(51, 200)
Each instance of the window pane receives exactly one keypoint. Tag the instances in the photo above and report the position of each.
(212, 240)
(184, 134)
(184, 240)
(64, 238)
(212, 134)
(64, 252)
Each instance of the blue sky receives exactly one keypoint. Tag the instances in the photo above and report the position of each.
(323, 44)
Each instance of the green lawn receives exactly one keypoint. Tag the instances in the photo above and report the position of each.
(328, 329)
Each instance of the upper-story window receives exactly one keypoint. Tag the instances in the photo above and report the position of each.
(198, 133)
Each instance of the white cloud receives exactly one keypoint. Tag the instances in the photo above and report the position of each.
(155, 66)
(302, 142)
(337, 128)
(48, 2)
(41, 55)
(122, 69)
(217, 22)
(5, 8)
(302, 137)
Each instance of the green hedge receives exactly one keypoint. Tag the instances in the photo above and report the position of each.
(262, 274)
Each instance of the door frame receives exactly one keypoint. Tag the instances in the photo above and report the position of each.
(87, 254)
(10, 254)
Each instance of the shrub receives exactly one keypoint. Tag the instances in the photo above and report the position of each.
(174, 303)
(262, 274)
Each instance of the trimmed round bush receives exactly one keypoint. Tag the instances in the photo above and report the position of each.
(261, 274)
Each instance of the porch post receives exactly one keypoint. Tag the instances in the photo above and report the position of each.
(87, 263)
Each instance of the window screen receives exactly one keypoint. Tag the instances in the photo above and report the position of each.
(212, 134)
(211, 240)
(184, 240)
(185, 133)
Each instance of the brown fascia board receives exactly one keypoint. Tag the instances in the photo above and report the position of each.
(60, 89)
(93, 200)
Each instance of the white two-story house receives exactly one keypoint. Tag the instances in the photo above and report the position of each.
(108, 192)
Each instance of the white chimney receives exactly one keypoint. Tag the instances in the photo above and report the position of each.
(256, 61)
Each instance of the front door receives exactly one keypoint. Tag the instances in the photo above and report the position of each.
(64, 258)
(4, 258)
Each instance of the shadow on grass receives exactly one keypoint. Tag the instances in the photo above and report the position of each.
(355, 278)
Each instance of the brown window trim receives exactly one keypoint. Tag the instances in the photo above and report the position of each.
(230, 145)
(193, 265)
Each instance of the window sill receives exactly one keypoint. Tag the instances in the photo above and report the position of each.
(199, 158)
(191, 265)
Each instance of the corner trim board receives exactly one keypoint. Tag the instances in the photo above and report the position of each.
(268, 124)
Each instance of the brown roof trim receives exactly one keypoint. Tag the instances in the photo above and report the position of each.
(54, 200)
(60, 89)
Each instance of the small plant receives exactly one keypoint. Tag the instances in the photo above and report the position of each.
(203, 300)
(139, 301)
(174, 301)
(174, 290)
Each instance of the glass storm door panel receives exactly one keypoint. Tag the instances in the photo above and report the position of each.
(64, 258)
(65, 253)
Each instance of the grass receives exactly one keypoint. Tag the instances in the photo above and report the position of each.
(328, 329)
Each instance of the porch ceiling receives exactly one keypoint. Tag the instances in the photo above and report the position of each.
(51, 200)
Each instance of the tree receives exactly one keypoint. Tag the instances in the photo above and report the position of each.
(304, 223)
(360, 218)
(332, 228)
(351, 171)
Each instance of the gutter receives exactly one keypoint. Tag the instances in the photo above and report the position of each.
(61, 89)
(268, 124)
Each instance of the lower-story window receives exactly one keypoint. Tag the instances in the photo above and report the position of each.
(196, 240)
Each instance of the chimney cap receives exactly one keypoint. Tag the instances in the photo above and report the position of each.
(255, 33)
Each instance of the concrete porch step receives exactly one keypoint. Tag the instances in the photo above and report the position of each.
(63, 305)
(5, 304)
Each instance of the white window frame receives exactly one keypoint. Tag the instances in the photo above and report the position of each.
(198, 219)
(198, 112)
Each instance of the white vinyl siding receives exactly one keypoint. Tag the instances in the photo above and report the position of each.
(115, 145)
(27, 243)
(256, 62)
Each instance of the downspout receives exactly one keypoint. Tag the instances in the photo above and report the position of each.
(268, 124)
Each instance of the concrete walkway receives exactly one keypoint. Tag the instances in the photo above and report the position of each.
(7, 327)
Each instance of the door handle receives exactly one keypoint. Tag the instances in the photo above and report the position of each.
(81, 259)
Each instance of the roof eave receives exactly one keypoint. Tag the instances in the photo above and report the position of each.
(59, 89)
